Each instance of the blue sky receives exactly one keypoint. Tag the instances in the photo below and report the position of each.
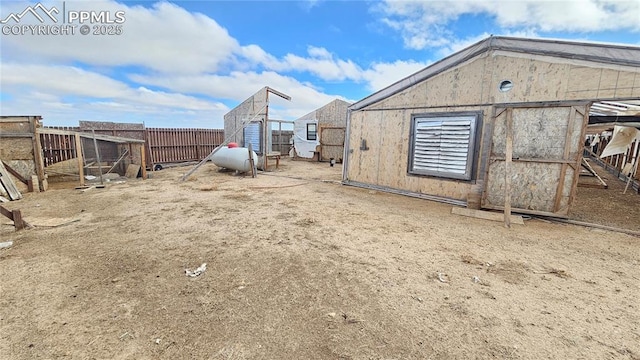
(187, 63)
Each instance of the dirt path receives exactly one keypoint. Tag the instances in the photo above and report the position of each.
(300, 267)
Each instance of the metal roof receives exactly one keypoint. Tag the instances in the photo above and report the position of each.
(616, 108)
(596, 52)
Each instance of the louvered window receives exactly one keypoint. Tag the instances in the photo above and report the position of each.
(253, 135)
(443, 145)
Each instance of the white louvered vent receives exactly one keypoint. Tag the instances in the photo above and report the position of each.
(441, 146)
(252, 136)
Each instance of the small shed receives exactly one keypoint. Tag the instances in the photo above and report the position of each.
(319, 135)
(249, 123)
(502, 121)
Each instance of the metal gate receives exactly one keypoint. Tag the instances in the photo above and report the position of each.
(331, 143)
(535, 153)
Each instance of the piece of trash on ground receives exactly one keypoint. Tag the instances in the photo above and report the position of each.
(197, 272)
(443, 277)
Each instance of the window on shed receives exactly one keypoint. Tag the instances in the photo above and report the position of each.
(443, 145)
(312, 131)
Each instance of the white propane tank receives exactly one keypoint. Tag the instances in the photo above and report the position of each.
(234, 158)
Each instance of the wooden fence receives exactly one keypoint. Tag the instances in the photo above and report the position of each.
(180, 145)
(163, 145)
(57, 148)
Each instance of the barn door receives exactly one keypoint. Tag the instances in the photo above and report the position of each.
(547, 143)
(331, 143)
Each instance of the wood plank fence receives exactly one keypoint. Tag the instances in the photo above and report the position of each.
(57, 148)
(162, 145)
(166, 145)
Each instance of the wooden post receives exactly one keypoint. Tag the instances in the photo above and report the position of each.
(37, 156)
(507, 165)
(254, 171)
(79, 158)
(34, 184)
(634, 167)
(143, 163)
(14, 215)
(17, 220)
(95, 145)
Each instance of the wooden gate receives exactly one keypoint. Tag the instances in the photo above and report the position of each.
(541, 148)
(331, 143)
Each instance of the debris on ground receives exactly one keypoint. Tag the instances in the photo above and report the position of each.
(197, 272)
(443, 278)
(6, 244)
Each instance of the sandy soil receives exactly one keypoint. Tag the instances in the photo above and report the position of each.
(301, 267)
(610, 206)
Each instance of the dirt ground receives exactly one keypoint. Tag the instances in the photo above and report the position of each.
(301, 267)
(610, 206)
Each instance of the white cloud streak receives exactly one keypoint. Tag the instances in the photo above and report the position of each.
(423, 24)
(72, 81)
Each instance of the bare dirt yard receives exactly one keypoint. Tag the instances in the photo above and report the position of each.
(301, 267)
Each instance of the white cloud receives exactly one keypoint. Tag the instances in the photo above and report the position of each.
(61, 79)
(59, 112)
(238, 86)
(163, 37)
(422, 24)
(68, 80)
(382, 75)
(319, 62)
(319, 52)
